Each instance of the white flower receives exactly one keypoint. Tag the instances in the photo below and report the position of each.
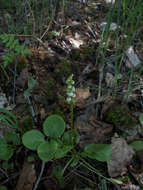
(73, 89)
(70, 94)
(68, 99)
(72, 82)
(74, 95)
(70, 89)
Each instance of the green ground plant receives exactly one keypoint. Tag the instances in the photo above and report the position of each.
(14, 48)
(10, 133)
(128, 16)
(54, 143)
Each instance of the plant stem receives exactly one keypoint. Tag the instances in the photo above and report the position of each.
(71, 114)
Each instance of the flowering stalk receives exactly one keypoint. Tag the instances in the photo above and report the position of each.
(70, 91)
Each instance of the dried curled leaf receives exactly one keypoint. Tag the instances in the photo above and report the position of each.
(121, 157)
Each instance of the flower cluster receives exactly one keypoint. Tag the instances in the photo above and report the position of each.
(70, 90)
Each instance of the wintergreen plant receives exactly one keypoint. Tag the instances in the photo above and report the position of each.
(70, 91)
(15, 48)
(59, 143)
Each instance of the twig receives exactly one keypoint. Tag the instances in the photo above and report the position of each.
(90, 29)
(33, 18)
(50, 23)
(14, 81)
(31, 109)
(100, 88)
(99, 100)
(4, 72)
(40, 175)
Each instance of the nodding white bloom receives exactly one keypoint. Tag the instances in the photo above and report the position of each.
(70, 91)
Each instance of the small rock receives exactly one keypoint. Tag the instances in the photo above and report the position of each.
(113, 26)
(3, 100)
(110, 1)
(131, 58)
(121, 157)
(109, 78)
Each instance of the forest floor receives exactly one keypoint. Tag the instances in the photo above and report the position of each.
(108, 103)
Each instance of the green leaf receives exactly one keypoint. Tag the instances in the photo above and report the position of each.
(2, 187)
(6, 165)
(11, 39)
(46, 151)
(9, 118)
(27, 93)
(31, 84)
(62, 151)
(100, 152)
(117, 181)
(75, 161)
(2, 141)
(13, 137)
(58, 173)
(14, 44)
(70, 137)
(137, 145)
(54, 126)
(6, 152)
(141, 118)
(103, 184)
(31, 139)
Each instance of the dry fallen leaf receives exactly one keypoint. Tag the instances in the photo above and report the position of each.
(23, 78)
(121, 157)
(81, 95)
(75, 43)
(27, 177)
(91, 130)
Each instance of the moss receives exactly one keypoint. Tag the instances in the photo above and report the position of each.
(88, 52)
(83, 53)
(63, 69)
(76, 55)
(120, 116)
(58, 111)
(21, 63)
(49, 88)
(26, 123)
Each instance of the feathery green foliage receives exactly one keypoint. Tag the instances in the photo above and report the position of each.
(14, 47)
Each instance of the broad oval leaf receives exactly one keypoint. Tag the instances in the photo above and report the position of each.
(137, 145)
(100, 152)
(46, 151)
(54, 126)
(31, 139)
(6, 152)
(62, 151)
(70, 137)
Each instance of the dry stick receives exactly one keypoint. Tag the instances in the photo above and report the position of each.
(36, 38)
(33, 18)
(99, 89)
(40, 175)
(48, 25)
(89, 28)
(14, 81)
(4, 72)
(31, 109)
